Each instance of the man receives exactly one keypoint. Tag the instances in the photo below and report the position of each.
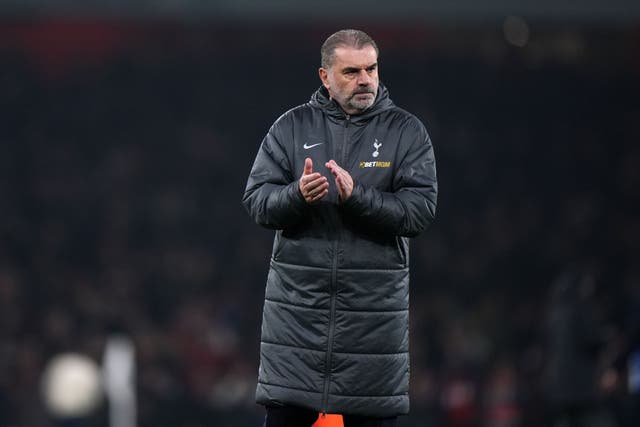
(345, 179)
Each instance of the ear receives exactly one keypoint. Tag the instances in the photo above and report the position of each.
(324, 77)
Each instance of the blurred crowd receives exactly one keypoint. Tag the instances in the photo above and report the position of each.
(120, 188)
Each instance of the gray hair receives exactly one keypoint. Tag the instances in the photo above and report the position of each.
(344, 38)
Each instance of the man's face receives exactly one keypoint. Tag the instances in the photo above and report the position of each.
(352, 80)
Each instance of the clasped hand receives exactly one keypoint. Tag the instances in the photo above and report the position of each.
(314, 186)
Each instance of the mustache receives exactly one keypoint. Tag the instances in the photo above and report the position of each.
(363, 90)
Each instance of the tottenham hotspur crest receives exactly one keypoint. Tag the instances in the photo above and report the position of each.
(376, 145)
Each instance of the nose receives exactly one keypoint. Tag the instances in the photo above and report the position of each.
(364, 79)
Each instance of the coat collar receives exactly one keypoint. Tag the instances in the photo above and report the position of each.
(320, 99)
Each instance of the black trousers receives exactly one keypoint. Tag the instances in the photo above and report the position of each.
(294, 416)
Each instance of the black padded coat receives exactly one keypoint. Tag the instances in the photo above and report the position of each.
(335, 330)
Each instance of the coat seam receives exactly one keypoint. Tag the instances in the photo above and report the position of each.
(395, 353)
(297, 347)
(345, 310)
(289, 387)
(341, 269)
(381, 396)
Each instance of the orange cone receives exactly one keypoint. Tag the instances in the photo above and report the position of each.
(329, 420)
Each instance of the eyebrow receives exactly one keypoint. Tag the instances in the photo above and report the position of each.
(354, 69)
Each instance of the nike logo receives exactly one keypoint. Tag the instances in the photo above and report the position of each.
(307, 146)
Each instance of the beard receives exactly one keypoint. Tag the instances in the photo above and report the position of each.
(358, 100)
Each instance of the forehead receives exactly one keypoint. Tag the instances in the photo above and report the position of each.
(352, 57)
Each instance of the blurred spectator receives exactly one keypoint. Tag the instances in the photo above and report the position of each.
(501, 404)
(575, 341)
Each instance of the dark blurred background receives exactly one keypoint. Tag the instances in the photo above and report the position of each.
(127, 131)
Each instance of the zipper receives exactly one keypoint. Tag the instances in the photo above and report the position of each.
(332, 327)
(333, 289)
(345, 142)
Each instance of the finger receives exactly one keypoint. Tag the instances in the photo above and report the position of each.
(340, 173)
(320, 195)
(311, 184)
(311, 191)
(334, 167)
(340, 184)
(306, 179)
(308, 166)
(317, 193)
(317, 190)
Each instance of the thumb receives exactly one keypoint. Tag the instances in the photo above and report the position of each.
(308, 166)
